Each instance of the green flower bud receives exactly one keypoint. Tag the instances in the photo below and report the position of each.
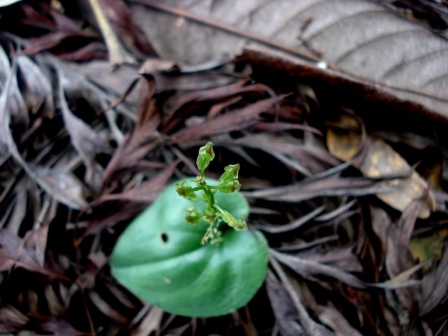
(209, 215)
(240, 225)
(186, 191)
(230, 187)
(230, 174)
(193, 216)
(206, 155)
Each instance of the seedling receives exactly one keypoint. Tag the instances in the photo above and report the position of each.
(198, 270)
(213, 213)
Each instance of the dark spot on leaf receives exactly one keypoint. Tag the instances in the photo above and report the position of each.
(164, 237)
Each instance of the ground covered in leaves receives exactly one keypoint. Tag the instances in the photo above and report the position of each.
(353, 203)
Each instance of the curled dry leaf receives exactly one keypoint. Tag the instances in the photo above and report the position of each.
(283, 307)
(316, 186)
(35, 87)
(342, 258)
(232, 121)
(17, 111)
(150, 323)
(336, 321)
(294, 224)
(61, 185)
(434, 286)
(380, 161)
(309, 326)
(313, 269)
(147, 191)
(127, 30)
(11, 320)
(85, 140)
(106, 308)
(305, 160)
(13, 253)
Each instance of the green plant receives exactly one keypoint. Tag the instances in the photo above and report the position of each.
(198, 270)
(213, 213)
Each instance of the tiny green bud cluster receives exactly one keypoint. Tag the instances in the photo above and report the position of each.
(213, 214)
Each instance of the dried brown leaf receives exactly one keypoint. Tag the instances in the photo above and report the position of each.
(35, 87)
(332, 185)
(283, 307)
(293, 225)
(150, 323)
(107, 309)
(11, 320)
(306, 160)
(36, 241)
(59, 327)
(309, 325)
(232, 121)
(147, 191)
(85, 140)
(63, 186)
(380, 161)
(335, 320)
(398, 257)
(178, 101)
(107, 218)
(358, 37)
(14, 253)
(342, 257)
(129, 32)
(434, 286)
(313, 269)
(144, 138)
(284, 126)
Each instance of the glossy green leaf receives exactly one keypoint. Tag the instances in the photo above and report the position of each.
(159, 257)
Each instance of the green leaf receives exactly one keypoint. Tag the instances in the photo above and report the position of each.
(159, 257)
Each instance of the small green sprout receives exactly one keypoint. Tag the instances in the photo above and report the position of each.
(213, 214)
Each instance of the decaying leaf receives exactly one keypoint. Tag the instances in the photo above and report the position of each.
(84, 139)
(383, 56)
(380, 161)
(314, 269)
(434, 286)
(150, 323)
(36, 88)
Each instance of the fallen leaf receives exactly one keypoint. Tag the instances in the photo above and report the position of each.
(434, 286)
(85, 140)
(332, 185)
(235, 120)
(335, 320)
(313, 269)
(128, 31)
(306, 322)
(342, 258)
(13, 253)
(11, 320)
(107, 309)
(150, 323)
(283, 307)
(35, 87)
(380, 57)
(293, 225)
(63, 186)
(147, 191)
(380, 161)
